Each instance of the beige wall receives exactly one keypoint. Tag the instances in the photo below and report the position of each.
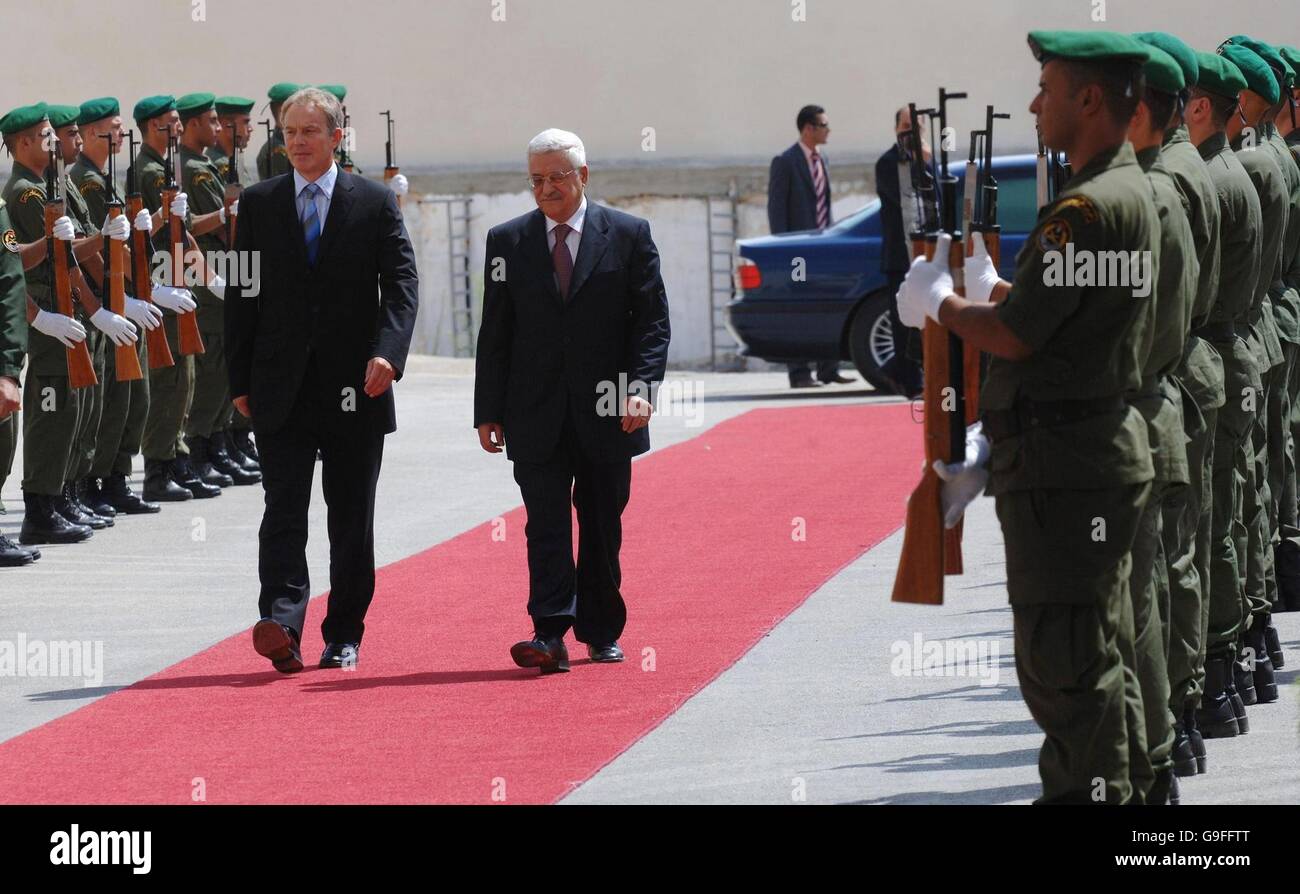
(715, 78)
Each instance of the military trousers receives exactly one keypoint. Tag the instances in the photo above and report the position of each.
(122, 426)
(171, 389)
(1232, 474)
(51, 420)
(1149, 593)
(211, 408)
(92, 412)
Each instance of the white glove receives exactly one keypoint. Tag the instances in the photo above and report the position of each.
(65, 329)
(217, 286)
(142, 313)
(119, 329)
(981, 275)
(399, 185)
(179, 300)
(964, 481)
(180, 205)
(926, 286)
(234, 211)
(144, 220)
(116, 228)
(63, 229)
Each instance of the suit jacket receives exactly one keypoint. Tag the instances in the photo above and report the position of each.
(540, 357)
(359, 300)
(791, 196)
(895, 252)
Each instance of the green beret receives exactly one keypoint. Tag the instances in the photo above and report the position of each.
(98, 109)
(153, 106)
(1184, 55)
(192, 104)
(62, 116)
(282, 91)
(23, 117)
(1259, 77)
(1163, 72)
(1281, 69)
(1087, 46)
(234, 105)
(1219, 75)
(339, 91)
(1291, 56)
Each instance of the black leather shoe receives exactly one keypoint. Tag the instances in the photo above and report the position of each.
(223, 463)
(67, 506)
(280, 644)
(339, 655)
(1256, 653)
(605, 653)
(159, 487)
(243, 440)
(237, 456)
(1216, 718)
(804, 382)
(1243, 677)
(1272, 644)
(1183, 757)
(12, 555)
(837, 379)
(90, 496)
(1196, 739)
(201, 463)
(1234, 698)
(43, 524)
(548, 653)
(184, 475)
(118, 494)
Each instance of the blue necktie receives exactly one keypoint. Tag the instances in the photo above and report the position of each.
(311, 222)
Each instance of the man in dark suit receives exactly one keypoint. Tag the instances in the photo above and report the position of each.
(799, 198)
(572, 346)
(313, 351)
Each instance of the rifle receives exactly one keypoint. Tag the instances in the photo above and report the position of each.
(1041, 170)
(390, 166)
(160, 353)
(187, 325)
(233, 189)
(929, 550)
(345, 157)
(81, 370)
(983, 220)
(126, 360)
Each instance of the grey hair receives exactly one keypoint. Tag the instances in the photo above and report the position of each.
(555, 140)
(316, 98)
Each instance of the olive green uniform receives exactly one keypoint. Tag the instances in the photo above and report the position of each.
(126, 404)
(210, 409)
(1291, 538)
(238, 421)
(171, 388)
(273, 157)
(1070, 470)
(1227, 331)
(1188, 513)
(13, 332)
(1286, 313)
(92, 397)
(51, 409)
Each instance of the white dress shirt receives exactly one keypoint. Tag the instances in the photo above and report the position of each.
(575, 230)
(326, 183)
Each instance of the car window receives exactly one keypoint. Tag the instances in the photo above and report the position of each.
(857, 219)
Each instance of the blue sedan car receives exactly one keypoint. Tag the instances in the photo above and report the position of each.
(839, 308)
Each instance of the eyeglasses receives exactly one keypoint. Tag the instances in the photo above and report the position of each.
(555, 178)
(820, 124)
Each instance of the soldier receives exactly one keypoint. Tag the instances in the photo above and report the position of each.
(54, 409)
(1213, 101)
(342, 155)
(1071, 464)
(234, 112)
(168, 476)
(1246, 130)
(1160, 402)
(13, 347)
(1288, 554)
(1199, 375)
(125, 404)
(210, 409)
(273, 158)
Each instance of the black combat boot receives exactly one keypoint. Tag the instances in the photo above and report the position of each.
(1272, 644)
(91, 496)
(1164, 790)
(237, 453)
(201, 463)
(1183, 756)
(1257, 648)
(1216, 718)
(1196, 739)
(12, 555)
(1286, 565)
(1243, 676)
(226, 464)
(243, 440)
(68, 506)
(119, 495)
(1234, 698)
(42, 523)
(158, 484)
(184, 475)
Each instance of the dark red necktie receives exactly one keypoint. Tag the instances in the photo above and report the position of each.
(563, 260)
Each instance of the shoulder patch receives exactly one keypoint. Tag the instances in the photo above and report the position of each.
(1084, 205)
(10, 240)
(159, 180)
(31, 192)
(201, 177)
(1054, 235)
(89, 185)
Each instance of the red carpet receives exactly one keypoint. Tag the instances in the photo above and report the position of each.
(436, 712)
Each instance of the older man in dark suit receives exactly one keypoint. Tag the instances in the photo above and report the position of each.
(573, 342)
(799, 198)
(313, 352)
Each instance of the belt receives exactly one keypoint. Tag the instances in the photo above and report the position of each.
(1027, 414)
(1220, 332)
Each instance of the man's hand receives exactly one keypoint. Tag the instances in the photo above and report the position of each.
(379, 375)
(179, 300)
(65, 329)
(63, 229)
(926, 286)
(491, 437)
(143, 313)
(144, 221)
(116, 228)
(964, 481)
(241, 404)
(233, 212)
(636, 413)
(180, 205)
(10, 396)
(119, 329)
(399, 184)
(981, 276)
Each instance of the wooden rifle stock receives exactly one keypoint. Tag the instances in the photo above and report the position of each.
(160, 353)
(81, 370)
(127, 361)
(187, 325)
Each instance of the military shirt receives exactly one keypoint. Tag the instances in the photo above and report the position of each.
(1285, 292)
(273, 157)
(1271, 188)
(1240, 221)
(13, 299)
(206, 193)
(92, 184)
(1089, 341)
(150, 172)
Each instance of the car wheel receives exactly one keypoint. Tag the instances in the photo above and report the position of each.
(871, 341)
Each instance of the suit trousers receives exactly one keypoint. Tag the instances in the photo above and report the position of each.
(351, 453)
(562, 594)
